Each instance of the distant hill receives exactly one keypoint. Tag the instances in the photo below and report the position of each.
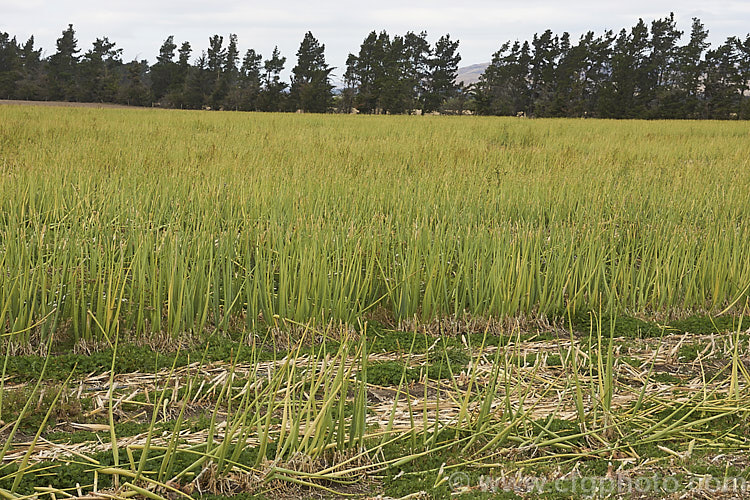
(471, 74)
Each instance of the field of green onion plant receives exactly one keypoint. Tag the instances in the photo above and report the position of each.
(196, 304)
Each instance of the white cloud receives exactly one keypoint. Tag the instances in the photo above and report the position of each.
(140, 26)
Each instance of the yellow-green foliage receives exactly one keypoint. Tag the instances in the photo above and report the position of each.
(166, 220)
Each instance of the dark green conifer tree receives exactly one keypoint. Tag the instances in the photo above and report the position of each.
(311, 86)
(63, 67)
(441, 79)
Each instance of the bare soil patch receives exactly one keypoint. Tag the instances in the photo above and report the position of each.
(65, 104)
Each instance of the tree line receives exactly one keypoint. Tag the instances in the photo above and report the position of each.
(647, 71)
(220, 77)
(643, 72)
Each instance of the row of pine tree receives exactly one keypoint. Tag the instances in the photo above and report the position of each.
(637, 73)
(219, 78)
(641, 72)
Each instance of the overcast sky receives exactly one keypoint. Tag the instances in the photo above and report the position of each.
(140, 26)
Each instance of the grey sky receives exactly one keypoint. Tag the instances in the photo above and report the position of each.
(140, 26)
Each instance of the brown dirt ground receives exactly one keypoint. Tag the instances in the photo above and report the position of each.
(12, 102)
